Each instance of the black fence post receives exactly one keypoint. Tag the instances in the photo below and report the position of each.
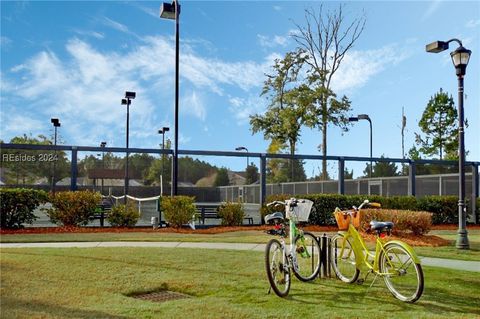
(341, 175)
(74, 170)
(263, 178)
(412, 171)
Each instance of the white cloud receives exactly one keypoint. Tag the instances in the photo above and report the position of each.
(271, 42)
(193, 105)
(358, 67)
(5, 41)
(473, 23)
(94, 34)
(242, 108)
(20, 123)
(432, 8)
(85, 87)
(115, 25)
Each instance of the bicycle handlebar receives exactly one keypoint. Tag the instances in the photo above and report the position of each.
(365, 203)
(290, 201)
(276, 203)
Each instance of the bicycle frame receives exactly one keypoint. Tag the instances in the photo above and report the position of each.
(291, 255)
(363, 257)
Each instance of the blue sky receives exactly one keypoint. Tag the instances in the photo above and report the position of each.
(75, 60)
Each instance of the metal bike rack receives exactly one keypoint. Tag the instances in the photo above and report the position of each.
(325, 256)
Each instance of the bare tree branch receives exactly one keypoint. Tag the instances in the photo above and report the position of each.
(326, 38)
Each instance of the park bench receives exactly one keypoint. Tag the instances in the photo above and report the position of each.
(102, 210)
(210, 211)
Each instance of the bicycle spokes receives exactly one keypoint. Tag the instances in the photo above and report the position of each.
(403, 277)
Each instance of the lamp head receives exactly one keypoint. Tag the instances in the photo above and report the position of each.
(130, 95)
(125, 102)
(437, 46)
(167, 10)
(103, 144)
(166, 129)
(363, 117)
(55, 122)
(460, 58)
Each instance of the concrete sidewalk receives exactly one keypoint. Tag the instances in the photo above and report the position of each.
(426, 261)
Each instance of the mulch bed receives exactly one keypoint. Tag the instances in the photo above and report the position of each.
(426, 240)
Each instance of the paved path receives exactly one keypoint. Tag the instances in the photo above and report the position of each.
(427, 261)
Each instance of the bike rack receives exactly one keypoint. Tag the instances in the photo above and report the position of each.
(325, 256)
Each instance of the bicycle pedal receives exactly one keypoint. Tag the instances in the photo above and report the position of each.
(360, 281)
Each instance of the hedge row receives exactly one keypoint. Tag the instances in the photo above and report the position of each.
(444, 209)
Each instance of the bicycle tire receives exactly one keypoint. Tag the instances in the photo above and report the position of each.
(343, 259)
(405, 278)
(308, 261)
(277, 272)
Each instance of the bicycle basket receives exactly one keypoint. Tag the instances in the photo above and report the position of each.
(301, 211)
(344, 219)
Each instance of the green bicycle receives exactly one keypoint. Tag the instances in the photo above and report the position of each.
(303, 255)
(393, 260)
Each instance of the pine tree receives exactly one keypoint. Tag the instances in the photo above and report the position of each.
(439, 127)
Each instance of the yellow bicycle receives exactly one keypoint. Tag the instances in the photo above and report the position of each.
(395, 261)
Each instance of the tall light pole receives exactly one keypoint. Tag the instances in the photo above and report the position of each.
(460, 59)
(56, 124)
(162, 131)
(172, 12)
(127, 101)
(243, 148)
(102, 145)
(365, 117)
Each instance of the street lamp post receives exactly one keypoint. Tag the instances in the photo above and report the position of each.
(172, 12)
(243, 148)
(127, 101)
(102, 145)
(460, 59)
(56, 124)
(365, 117)
(162, 131)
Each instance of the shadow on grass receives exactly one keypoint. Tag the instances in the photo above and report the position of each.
(14, 308)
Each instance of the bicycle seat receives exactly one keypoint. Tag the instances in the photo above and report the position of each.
(381, 226)
(274, 218)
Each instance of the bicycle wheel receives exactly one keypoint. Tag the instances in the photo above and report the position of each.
(308, 257)
(278, 272)
(403, 277)
(343, 259)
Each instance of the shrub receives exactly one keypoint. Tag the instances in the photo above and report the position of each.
(418, 223)
(17, 205)
(264, 210)
(73, 208)
(232, 214)
(178, 210)
(444, 208)
(123, 215)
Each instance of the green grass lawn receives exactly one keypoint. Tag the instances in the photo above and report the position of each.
(229, 237)
(450, 251)
(240, 237)
(96, 283)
